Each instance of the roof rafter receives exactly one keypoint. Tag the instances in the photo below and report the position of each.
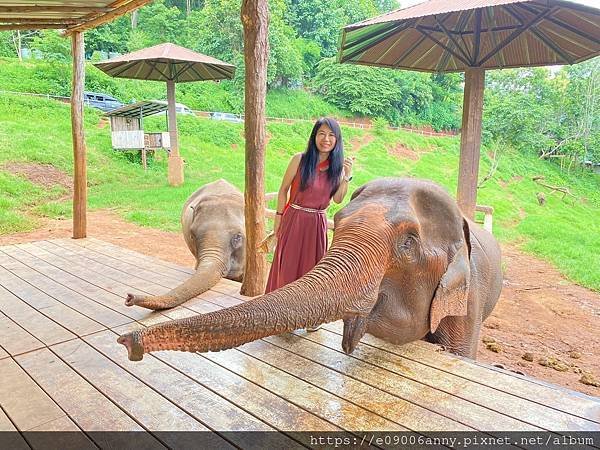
(71, 15)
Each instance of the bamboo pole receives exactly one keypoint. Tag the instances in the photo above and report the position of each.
(79, 150)
(255, 16)
(470, 141)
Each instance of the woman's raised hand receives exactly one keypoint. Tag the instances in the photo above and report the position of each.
(348, 162)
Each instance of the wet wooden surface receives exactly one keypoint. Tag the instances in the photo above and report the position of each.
(61, 309)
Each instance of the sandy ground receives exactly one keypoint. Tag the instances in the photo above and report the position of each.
(539, 312)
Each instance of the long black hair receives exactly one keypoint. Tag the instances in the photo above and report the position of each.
(310, 158)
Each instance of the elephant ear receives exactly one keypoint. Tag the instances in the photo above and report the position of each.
(452, 292)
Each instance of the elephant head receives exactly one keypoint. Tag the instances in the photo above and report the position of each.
(400, 267)
(213, 228)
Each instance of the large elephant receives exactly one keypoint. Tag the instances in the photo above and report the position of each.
(212, 222)
(403, 265)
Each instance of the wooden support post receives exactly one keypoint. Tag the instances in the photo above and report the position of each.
(175, 161)
(144, 162)
(470, 141)
(255, 19)
(79, 151)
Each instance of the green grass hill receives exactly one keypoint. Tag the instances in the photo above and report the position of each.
(37, 130)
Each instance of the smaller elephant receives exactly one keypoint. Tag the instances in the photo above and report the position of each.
(213, 228)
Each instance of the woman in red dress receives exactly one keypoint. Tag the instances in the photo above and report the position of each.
(312, 179)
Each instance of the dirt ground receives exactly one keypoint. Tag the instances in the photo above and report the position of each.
(539, 312)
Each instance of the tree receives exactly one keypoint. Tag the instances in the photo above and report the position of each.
(52, 45)
(322, 20)
(111, 37)
(216, 30)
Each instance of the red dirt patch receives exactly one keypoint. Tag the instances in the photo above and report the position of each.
(402, 152)
(539, 311)
(356, 143)
(44, 175)
(542, 313)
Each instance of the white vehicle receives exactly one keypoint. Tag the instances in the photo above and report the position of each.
(180, 108)
(226, 116)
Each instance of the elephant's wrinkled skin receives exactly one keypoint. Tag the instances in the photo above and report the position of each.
(403, 265)
(212, 222)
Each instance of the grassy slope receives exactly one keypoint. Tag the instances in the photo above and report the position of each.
(38, 130)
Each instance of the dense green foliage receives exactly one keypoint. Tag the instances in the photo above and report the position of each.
(546, 114)
(565, 232)
(402, 97)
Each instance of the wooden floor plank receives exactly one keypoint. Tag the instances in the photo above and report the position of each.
(143, 280)
(38, 325)
(447, 394)
(77, 262)
(86, 282)
(123, 250)
(214, 411)
(261, 403)
(30, 272)
(98, 277)
(340, 412)
(558, 398)
(458, 414)
(122, 259)
(86, 406)
(24, 402)
(290, 382)
(154, 266)
(15, 340)
(529, 415)
(50, 307)
(9, 436)
(391, 406)
(150, 409)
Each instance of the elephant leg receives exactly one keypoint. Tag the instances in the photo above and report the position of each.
(354, 329)
(459, 334)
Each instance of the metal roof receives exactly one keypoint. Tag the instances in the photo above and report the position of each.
(143, 109)
(167, 62)
(71, 15)
(451, 36)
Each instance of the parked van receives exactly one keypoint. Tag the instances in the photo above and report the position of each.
(101, 101)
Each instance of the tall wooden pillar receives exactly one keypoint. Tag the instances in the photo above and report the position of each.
(175, 176)
(255, 19)
(470, 141)
(79, 150)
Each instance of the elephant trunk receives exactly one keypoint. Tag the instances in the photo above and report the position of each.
(344, 284)
(209, 271)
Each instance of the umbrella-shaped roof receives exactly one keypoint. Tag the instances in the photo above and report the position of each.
(451, 36)
(167, 62)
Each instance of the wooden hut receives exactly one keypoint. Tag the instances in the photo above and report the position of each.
(127, 128)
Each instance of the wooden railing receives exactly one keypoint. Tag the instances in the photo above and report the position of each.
(488, 211)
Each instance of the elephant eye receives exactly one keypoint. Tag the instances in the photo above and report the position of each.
(236, 240)
(408, 243)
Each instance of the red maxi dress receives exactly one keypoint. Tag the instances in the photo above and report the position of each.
(302, 239)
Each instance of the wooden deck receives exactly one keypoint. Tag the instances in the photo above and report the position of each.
(61, 308)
